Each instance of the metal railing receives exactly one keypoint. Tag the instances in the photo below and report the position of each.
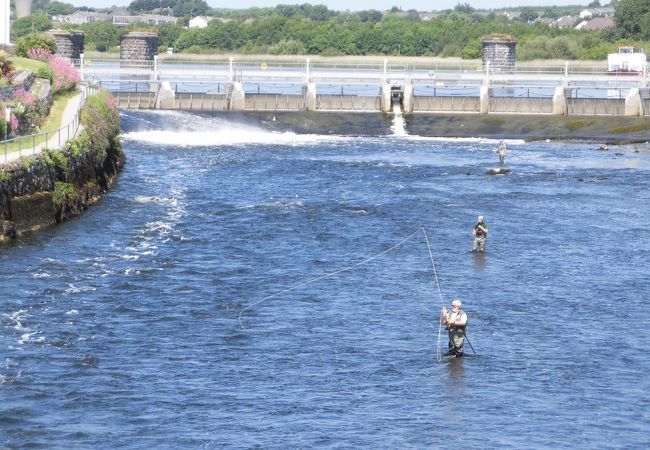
(28, 145)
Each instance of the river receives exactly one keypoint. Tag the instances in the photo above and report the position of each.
(244, 286)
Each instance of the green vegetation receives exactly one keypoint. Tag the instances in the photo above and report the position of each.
(55, 158)
(578, 123)
(633, 19)
(27, 161)
(632, 128)
(30, 65)
(35, 40)
(62, 191)
(307, 29)
(4, 177)
(35, 23)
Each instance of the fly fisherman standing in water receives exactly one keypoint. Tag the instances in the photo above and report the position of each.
(501, 151)
(480, 233)
(456, 321)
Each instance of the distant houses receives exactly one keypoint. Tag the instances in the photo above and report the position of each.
(597, 23)
(84, 17)
(588, 19)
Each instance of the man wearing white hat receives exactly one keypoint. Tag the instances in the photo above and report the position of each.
(480, 233)
(456, 321)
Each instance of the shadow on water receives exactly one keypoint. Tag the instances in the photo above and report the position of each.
(456, 371)
(479, 260)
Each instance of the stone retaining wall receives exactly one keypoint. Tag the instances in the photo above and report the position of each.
(28, 191)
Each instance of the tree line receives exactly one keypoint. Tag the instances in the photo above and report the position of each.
(315, 30)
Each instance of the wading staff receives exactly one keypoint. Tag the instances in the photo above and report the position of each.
(470, 344)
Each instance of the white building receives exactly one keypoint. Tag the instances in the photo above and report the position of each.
(200, 21)
(82, 17)
(596, 12)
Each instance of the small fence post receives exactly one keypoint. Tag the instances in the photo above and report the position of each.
(81, 66)
(566, 72)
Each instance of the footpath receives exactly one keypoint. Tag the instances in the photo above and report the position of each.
(69, 128)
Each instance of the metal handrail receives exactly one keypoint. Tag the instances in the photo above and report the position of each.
(54, 139)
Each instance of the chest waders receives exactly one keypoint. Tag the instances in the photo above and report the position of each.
(456, 335)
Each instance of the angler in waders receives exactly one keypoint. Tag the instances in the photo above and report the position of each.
(502, 151)
(456, 321)
(480, 232)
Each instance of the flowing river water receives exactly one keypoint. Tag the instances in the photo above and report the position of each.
(190, 307)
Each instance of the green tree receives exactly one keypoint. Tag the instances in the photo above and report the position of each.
(101, 35)
(35, 23)
(289, 47)
(168, 34)
(140, 6)
(473, 50)
(59, 9)
(528, 14)
(371, 15)
(630, 17)
(190, 8)
(464, 8)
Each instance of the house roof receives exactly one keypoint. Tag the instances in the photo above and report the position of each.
(598, 23)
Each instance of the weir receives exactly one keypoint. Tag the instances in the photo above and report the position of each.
(281, 86)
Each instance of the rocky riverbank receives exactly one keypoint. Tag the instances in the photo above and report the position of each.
(55, 185)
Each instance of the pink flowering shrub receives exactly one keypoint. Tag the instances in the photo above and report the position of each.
(40, 54)
(66, 76)
(61, 73)
(25, 97)
(14, 123)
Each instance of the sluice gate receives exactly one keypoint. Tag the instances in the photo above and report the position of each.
(358, 88)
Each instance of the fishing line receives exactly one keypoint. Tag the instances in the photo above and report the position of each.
(435, 274)
(313, 280)
(345, 269)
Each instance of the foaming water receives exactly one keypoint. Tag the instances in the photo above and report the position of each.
(120, 328)
(224, 137)
(398, 127)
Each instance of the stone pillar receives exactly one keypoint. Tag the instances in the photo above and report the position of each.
(237, 97)
(138, 48)
(559, 102)
(68, 44)
(310, 97)
(484, 96)
(386, 105)
(23, 8)
(500, 52)
(633, 104)
(408, 97)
